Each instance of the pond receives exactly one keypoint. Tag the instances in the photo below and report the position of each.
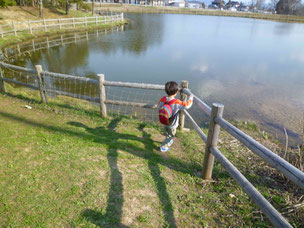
(254, 67)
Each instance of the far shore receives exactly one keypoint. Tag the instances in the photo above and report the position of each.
(117, 7)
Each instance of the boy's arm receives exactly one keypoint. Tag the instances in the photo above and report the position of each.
(187, 104)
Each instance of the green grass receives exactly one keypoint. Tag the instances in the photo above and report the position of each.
(62, 165)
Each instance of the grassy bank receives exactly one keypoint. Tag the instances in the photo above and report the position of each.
(25, 13)
(176, 10)
(62, 165)
(30, 13)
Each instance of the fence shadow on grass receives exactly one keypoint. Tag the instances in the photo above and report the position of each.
(112, 216)
(159, 182)
(113, 212)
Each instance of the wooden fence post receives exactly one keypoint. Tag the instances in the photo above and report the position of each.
(44, 22)
(86, 22)
(96, 20)
(59, 23)
(33, 44)
(40, 82)
(102, 95)
(2, 85)
(30, 27)
(15, 32)
(1, 31)
(47, 43)
(73, 22)
(18, 49)
(212, 139)
(183, 97)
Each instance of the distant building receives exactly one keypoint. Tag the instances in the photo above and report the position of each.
(182, 4)
(244, 8)
(158, 2)
(232, 9)
(217, 4)
(194, 4)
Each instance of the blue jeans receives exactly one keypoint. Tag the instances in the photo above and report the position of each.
(170, 133)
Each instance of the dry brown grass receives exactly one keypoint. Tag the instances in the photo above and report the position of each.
(25, 13)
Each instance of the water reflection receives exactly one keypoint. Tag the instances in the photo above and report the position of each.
(283, 29)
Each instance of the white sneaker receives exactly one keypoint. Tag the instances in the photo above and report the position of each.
(164, 149)
(171, 142)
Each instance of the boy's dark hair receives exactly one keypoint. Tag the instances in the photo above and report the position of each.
(171, 88)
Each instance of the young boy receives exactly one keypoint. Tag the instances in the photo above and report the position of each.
(177, 105)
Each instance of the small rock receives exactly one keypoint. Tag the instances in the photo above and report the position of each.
(231, 195)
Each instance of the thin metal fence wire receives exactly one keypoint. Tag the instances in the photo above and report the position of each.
(134, 95)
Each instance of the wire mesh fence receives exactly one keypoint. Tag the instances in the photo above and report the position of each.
(136, 102)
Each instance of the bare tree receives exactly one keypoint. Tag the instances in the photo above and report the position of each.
(273, 4)
(259, 4)
(40, 9)
(66, 7)
(288, 6)
(93, 3)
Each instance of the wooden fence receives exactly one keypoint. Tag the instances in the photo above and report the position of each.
(46, 25)
(211, 140)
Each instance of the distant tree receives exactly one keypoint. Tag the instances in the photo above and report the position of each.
(273, 4)
(229, 3)
(40, 8)
(288, 6)
(301, 13)
(66, 7)
(6, 3)
(259, 4)
(93, 4)
(253, 3)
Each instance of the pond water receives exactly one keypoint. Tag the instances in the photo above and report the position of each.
(254, 67)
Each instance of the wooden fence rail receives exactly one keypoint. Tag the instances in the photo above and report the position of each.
(291, 172)
(60, 23)
(274, 216)
(211, 151)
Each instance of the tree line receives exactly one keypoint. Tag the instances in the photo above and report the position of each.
(65, 4)
(291, 7)
(288, 7)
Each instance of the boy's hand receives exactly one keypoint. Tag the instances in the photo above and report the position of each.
(191, 97)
